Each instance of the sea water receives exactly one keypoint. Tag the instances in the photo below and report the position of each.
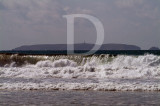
(78, 98)
(78, 72)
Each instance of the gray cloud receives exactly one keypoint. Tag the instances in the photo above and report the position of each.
(128, 3)
(2, 7)
(40, 21)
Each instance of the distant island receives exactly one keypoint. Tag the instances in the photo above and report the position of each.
(80, 46)
(154, 48)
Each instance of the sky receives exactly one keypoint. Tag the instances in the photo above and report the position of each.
(28, 22)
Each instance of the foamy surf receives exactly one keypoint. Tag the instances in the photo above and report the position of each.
(75, 72)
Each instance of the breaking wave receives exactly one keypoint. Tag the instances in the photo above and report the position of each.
(101, 72)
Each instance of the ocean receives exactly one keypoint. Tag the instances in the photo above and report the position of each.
(123, 72)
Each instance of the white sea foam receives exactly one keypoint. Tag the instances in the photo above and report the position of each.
(107, 86)
(121, 67)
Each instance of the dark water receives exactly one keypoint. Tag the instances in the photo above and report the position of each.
(78, 98)
(111, 52)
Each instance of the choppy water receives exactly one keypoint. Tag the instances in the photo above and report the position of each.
(78, 98)
(77, 72)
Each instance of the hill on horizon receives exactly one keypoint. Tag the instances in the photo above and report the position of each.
(80, 46)
(154, 48)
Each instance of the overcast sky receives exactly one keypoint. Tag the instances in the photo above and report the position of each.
(27, 22)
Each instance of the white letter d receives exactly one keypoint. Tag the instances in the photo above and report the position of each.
(70, 32)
